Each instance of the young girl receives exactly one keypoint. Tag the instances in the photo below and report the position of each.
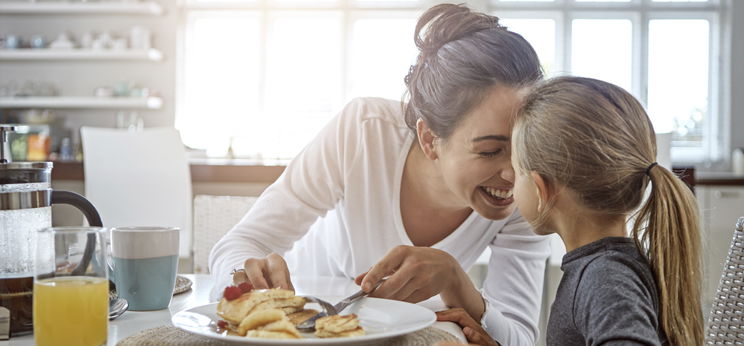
(583, 153)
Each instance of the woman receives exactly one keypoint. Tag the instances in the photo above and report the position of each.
(415, 194)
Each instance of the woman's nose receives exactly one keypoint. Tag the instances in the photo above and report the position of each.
(507, 172)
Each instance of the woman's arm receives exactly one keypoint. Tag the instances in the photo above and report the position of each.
(513, 287)
(310, 186)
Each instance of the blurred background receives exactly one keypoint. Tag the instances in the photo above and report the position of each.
(257, 79)
(249, 82)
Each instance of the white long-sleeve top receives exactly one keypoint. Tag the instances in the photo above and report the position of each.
(335, 211)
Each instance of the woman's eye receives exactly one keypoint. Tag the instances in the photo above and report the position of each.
(489, 153)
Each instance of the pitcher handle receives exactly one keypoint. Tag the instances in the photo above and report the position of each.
(79, 202)
(94, 219)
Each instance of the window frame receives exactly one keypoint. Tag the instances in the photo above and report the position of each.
(715, 144)
(716, 139)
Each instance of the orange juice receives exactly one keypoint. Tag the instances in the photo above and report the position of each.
(71, 311)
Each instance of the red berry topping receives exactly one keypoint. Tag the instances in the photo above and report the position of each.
(232, 292)
(222, 324)
(245, 286)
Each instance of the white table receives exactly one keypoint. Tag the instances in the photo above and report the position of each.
(132, 322)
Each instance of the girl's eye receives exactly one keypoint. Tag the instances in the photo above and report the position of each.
(490, 153)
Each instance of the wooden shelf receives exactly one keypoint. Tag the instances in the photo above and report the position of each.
(79, 54)
(64, 7)
(82, 102)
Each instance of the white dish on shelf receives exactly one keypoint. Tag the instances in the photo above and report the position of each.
(64, 7)
(80, 54)
(78, 102)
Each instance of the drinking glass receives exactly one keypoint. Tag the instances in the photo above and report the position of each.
(71, 287)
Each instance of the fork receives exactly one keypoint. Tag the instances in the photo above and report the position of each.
(328, 309)
(309, 324)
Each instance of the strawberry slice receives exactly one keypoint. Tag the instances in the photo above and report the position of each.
(232, 292)
(245, 287)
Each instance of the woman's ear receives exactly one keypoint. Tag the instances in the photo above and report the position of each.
(426, 139)
(543, 190)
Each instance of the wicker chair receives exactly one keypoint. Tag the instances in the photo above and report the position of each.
(213, 217)
(726, 321)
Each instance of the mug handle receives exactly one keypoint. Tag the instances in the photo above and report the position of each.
(94, 219)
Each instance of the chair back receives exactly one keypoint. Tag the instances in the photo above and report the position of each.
(726, 320)
(213, 217)
(139, 178)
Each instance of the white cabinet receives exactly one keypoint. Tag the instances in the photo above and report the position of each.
(720, 207)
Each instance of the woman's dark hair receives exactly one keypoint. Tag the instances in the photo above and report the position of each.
(462, 54)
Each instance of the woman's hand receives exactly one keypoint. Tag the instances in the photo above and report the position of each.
(472, 329)
(268, 272)
(414, 274)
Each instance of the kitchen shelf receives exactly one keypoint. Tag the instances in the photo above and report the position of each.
(80, 54)
(82, 102)
(64, 7)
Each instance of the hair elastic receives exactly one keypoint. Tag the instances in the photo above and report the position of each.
(648, 169)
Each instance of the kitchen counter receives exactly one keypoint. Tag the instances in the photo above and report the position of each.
(248, 171)
(719, 178)
(202, 170)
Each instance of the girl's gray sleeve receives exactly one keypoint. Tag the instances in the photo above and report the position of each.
(613, 306)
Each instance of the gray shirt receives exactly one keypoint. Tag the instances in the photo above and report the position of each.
(607, 296)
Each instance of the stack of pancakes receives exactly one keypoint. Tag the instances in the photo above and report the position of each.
(274, 313)
(337, 326)
(264, 313)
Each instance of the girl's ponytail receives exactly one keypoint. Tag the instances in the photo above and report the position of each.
(667, 224)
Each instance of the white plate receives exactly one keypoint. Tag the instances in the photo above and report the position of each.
(380, 318)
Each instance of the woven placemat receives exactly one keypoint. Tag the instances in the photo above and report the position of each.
(172, 336)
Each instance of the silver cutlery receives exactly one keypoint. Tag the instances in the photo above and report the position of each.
(309, 324)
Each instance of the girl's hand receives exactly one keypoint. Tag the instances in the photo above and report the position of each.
(414, 274)
(472, 329)
(268, 272)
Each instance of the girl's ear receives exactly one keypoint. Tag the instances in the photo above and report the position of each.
(543, 190)
(426, 139)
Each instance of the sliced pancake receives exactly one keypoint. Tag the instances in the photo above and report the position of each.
(288, 305)
(301, 316)
(265, 334)
(338, 326)
(284, 326)
(260, 318)
(337, 323)
(234, 311)
(359, 331)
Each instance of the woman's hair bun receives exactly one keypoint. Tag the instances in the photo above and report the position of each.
(445, 23)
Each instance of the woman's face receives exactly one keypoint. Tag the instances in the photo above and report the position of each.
(475, 160)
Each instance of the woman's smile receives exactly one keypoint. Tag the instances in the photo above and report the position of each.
(497, 197)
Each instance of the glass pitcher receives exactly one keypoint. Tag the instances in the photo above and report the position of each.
(26, 197)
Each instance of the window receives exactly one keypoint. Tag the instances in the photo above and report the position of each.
(263, 76)
(665, 52)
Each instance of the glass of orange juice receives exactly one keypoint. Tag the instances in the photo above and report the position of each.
(70, 298)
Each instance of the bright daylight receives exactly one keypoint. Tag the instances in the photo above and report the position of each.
(371, 172)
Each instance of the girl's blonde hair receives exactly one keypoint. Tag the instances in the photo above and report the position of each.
(595, 138)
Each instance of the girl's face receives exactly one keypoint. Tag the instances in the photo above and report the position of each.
(475, 160)
(526, 194)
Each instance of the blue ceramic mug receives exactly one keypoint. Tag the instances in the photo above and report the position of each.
(144, 265)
